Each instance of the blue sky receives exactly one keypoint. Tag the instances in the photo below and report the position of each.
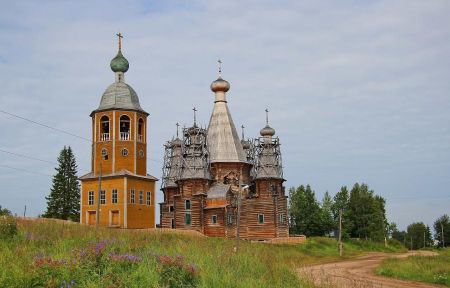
(358, 91)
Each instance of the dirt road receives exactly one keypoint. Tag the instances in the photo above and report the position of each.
(359, 272)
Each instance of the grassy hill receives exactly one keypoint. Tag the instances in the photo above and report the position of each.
(58, 254)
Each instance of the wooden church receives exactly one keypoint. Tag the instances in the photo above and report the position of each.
(220, 185)
(118, 192)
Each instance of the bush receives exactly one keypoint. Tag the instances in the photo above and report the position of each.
(8, 227)
(175, 273)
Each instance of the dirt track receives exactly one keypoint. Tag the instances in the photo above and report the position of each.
(359, 272)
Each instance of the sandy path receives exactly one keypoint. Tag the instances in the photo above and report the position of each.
(359, 272)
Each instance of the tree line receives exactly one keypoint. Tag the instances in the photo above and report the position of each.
(363, 213)
(418, 235)
(363, 216)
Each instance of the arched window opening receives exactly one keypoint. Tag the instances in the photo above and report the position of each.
(124, 127)
(141, 130)
(104, 128)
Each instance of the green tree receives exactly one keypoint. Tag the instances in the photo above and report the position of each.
(64, 199)
(367, 213)
(341, 202)
(305, 212)
(416, 236)
(428, 237)
(4, 211)
(328, 224)
(442, 223)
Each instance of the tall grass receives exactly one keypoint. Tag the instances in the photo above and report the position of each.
(435, 269)
(55, 254)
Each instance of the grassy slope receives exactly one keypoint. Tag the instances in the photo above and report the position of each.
(434, 270)
(256, 265)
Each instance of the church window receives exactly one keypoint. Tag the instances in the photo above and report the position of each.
(141, 197)
(104, 152)
(261, 218)
(102, 197)
(282, 218)
(104, 128)
(141, 130)
(91, 198)
(214, 219)
(132, 199)
(187, 219)
(171, 208)
(141, 153)
(149, 198)
(187, 204)
(114, 196)
(125, 128)
(124, 152)
(229, 218)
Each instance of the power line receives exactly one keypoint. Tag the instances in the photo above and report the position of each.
(35, 158)
(25, 170)
(57, 129)
(45, 125)
(27, 157)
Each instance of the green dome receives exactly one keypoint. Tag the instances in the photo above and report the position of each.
(119, 63)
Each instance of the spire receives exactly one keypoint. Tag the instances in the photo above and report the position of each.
(242, 127)
(267, 117)
(178, 125)
(195, 116)
(223, 140)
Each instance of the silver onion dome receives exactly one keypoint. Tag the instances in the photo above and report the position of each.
(267, 131)
(220, 85)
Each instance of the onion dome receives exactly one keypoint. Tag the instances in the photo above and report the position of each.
(267, 131)
(220, 85)
(177, 142)
(119, 63)
(245, 144)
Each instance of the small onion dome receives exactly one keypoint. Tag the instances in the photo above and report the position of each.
(245, 144)
(119, 63)
(220, 85)
(267, 131)
(177, 142)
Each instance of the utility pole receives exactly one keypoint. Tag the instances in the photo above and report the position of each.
(99, 192)
(238, 220)
(24, 211)
(340, 233)
(442, 233)
(424, 245)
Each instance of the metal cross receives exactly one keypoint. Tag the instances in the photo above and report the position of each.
(119, 35)
(195, 116)
(220, 67)
(178, 125)
(267, 116)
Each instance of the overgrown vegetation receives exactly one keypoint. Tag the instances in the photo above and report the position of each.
(435, 270)
(48, 253)
(8, 227)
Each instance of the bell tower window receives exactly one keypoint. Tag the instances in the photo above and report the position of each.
(104, 128)
(141, 130)
(125, 128)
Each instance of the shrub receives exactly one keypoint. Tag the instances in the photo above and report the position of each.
(175, 273)
(8, 227)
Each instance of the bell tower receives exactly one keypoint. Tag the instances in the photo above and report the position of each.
(119, 182)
